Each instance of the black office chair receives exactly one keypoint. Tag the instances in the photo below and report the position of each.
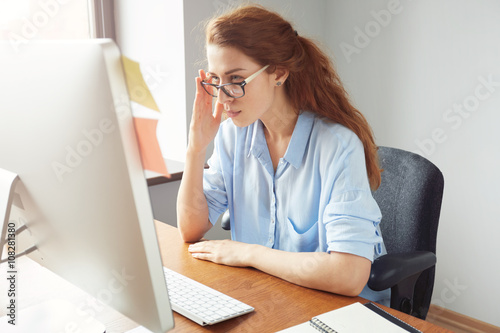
(410, 198)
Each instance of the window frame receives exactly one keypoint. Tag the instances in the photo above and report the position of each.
(102, 19)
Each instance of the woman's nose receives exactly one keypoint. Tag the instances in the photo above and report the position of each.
(223, 97)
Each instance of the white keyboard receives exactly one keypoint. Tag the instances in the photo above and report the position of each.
(201, 304)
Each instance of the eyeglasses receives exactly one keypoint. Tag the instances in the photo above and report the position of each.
(233, 90)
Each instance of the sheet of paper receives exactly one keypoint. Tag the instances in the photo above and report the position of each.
(51, 316)
(357, 318)
(137, 88)
(151, 156)
(139, 329)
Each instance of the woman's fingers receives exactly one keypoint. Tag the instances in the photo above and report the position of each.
(219, 108)
(202, 74)
(225, 252)
(206, 116)
(202, 99)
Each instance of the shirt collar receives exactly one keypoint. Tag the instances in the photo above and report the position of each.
(257, 143)
(300, 138)
(297, 145)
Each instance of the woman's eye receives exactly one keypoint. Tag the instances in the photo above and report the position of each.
(236, 78)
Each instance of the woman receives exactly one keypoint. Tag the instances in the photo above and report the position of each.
(293, 164)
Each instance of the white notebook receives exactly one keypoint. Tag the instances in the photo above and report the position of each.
(354, 318)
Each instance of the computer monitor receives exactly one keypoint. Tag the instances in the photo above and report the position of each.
(66, 130)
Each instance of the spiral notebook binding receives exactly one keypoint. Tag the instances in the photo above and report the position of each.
(321, 326)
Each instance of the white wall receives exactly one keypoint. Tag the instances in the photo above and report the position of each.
(420, 79)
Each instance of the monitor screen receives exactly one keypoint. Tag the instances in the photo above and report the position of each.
(67, 131)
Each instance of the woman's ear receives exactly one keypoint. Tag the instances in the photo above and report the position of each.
(280, 75)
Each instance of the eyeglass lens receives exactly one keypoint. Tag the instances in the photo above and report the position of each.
(232, 90)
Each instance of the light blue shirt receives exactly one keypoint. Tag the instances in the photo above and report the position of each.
(319, 198)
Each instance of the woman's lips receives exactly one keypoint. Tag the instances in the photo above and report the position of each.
(232, 114)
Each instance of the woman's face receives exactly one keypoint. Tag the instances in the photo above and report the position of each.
(229, 65)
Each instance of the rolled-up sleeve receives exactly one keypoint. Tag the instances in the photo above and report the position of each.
(352, 216)
(351, 219)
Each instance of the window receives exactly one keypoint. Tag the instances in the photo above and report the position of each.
(24, 20)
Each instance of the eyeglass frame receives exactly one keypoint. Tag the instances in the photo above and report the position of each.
(242, 84)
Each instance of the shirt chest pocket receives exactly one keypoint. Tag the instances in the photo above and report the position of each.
(300, 236)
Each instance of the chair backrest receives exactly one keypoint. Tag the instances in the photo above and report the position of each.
(410, 197)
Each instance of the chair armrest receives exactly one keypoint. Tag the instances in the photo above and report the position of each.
(390, 269)
(225, 221)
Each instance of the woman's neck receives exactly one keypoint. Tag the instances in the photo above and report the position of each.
(279, 122)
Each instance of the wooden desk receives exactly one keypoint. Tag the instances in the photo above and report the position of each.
(278, 304)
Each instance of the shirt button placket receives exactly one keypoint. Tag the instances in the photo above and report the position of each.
(272, 227)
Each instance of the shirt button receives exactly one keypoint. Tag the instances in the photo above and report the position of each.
(272, 221)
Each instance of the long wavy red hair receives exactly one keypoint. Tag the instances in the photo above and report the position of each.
(312, 84)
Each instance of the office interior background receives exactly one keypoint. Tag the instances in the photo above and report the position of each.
(425, 73)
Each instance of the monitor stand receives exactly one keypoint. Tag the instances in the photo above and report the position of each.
(52, 315)
(8, 182)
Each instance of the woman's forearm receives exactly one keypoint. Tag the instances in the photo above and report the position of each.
(192, 208)
(340, 273)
